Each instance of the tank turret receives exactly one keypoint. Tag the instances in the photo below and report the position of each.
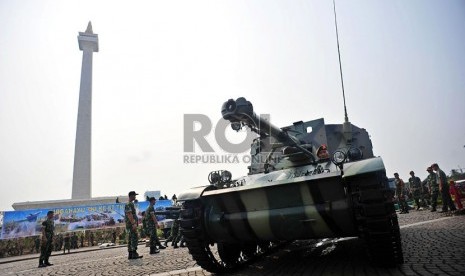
(240, 112)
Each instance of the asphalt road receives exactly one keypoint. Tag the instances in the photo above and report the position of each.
(433, 244)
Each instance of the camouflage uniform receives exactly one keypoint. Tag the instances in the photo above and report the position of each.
(416, 188)
(175, 234)
(48, 227)
(401, 196)
(444, 188)
(151, 230)
(67, 244)
(144, 232)
(37, 244)
(426, 195)
(74, 241)
(434, 189)
(132, 234)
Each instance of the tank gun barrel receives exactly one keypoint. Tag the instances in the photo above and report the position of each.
(240, 112)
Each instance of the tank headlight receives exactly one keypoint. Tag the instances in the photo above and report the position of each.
(339, 157)
(214, 177)
(226, 176)
(355, 154)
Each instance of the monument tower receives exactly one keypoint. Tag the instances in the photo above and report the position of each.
(82, 186)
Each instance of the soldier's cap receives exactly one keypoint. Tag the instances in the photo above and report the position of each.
(50, 212)
(132, 193)
(411, 172)
(434, 165)
(152, 198)
(429, 169)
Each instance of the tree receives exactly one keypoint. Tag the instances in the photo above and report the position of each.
(456, 175)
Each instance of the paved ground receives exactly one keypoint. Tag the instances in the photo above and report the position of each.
(433, 244)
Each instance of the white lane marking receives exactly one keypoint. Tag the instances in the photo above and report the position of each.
(424, 222)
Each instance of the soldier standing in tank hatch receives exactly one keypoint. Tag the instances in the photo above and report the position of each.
(416, 188)
(131, 226)
(400, 192)
(48, 227)
(444, 189)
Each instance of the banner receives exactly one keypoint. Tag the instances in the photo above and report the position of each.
(29, 222)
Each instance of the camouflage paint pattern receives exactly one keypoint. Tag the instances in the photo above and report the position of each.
(289, 204)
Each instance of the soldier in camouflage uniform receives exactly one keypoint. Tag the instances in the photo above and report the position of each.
(416, 188)
(152, 225)
(433, 188)
(400, 192)
(143, 232)
(48, 227)
(131, 226)
(444, 189)
(175, 234)
(67, 243)
(426, 195)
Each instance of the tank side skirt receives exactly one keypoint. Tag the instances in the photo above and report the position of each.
(269, 214)
(259, 223)
(240, 229)
(320, 205)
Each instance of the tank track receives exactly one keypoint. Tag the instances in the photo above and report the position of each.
(376, 218)
(224, 257)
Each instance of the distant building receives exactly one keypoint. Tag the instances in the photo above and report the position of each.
(68, 202)
(149, 194)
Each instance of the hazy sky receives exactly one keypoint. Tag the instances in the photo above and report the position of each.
(403, 64)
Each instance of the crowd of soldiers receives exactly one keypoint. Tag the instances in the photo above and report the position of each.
(149, 228)
(29, 245)
(65, 241)
(426, 193)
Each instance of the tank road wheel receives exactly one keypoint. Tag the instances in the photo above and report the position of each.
(250, 251)
(230, 254)
(376, 218)
(211, 256)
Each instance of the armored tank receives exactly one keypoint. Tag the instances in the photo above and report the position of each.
(309, 180)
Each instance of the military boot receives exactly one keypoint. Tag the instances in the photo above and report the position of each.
(136, 256)
(130, 255)
(160, 246)
(154, 250)
(46, 263)
(41, 264)
(166, 243)
(175, 245)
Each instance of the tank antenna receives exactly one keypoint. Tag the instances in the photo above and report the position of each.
(346, 118)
